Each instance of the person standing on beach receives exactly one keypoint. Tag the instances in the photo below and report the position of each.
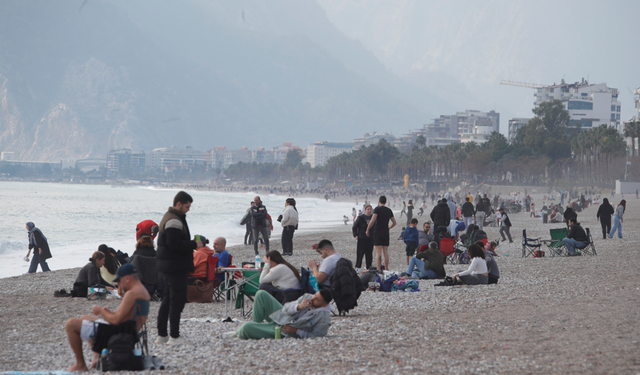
(175, 262)
(41, 252)
(246, 221)
(409, 212)
(259, 224)
(380, 218)
(604, 216)
(365, 243)
(289, 225)
(617, 219)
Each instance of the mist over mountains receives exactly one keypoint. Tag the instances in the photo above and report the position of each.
(78, 78)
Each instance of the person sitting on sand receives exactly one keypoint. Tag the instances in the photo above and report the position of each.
(278, 275)
(135, 301)
(323, 272)
(477, 272)
(90, 273)
(428, 264)
(492, 266)
(308, 317)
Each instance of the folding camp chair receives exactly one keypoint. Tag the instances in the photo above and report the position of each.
(589, 248)
(529, 245)
(448, 250)
(212, 264)
(249, 288)
(555, 245)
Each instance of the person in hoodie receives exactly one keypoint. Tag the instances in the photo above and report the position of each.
(441, 215)
(38, 242)
(411, 239)
(467, 212)
(453, 209)
(200, 257)
(604, 216)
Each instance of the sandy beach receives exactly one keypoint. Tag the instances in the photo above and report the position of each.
(546, 315)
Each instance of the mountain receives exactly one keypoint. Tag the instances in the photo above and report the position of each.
(80, 78)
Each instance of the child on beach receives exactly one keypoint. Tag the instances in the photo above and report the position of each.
(411, 238)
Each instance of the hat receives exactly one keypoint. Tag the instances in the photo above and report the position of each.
(201, 238)
(125, 270)
(147, 228)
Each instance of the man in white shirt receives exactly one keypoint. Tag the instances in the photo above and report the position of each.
(323, 272)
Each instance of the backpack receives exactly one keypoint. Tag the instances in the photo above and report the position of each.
(79, 289)
(120, 354)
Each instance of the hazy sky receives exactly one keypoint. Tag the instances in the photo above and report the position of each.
(462, 49)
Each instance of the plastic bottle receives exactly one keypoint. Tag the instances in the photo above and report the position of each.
(278, 332)
(257, 261)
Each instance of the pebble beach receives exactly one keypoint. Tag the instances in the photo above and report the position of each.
(550, 315)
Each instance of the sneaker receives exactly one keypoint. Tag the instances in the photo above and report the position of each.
(228, 335)
(162, 339)
(357, 270)
(178, 341)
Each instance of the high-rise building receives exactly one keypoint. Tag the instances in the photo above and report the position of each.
(319, 152)
(161, 158)
(119, 161)
(514, 125)
(589, 105)
(371, 138)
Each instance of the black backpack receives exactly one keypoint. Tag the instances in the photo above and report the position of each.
(346, 286)
(120, 354)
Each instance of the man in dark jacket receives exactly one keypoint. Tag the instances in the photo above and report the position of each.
(433, 266)
(441, 215)
(604, 215)
(175, 262)
(246, 221)
(487, 204)
(505, 225)
(575, 238)
(467, 212)
(259, 224)
(38, 242)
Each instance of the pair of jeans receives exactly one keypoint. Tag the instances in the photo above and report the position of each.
(416, 269)
(571, 245)
(263, 305)
(33, 267)
(468, 220)
(265, 237)
(505, 229)
(287, 239)
(617, 225)
(175, 297)
(364, 249)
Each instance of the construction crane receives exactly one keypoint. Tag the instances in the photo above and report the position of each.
(523, 84)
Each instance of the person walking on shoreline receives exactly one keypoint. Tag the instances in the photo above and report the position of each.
(175, 262)
(259, 224)
(380, 218)
(41, 252)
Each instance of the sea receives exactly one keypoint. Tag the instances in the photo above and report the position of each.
(76, 218)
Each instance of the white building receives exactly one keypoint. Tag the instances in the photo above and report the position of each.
(235, 156)
(372, 138)
(125, 159)
(589, 105)
(161, 158)
(515, 124)
(319, 152)
(8, 155)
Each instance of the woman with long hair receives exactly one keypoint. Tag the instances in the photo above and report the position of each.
(477, 273)
(111, 263)
(90, 273)
(278, 275)
(617, 219)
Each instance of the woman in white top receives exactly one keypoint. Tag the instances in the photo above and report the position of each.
(289, 225)
(278, 273)
(477, 273)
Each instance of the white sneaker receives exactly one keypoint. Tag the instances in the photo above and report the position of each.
(179, 341)
(162, 340)
(228, 335)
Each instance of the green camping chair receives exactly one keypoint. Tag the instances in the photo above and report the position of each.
(555, 244)
(249, 288)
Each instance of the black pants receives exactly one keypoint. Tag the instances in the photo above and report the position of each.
(287, 239)
(265, 237)
(175, 296)
(248, 236)
(606, 227)
(364, 249)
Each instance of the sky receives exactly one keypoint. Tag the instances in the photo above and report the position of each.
(462, 50)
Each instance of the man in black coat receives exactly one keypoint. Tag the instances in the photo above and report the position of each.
(604, 215)
(38, 242)
(467, 212)
(441, 215)
(575, 238)
(175, 262)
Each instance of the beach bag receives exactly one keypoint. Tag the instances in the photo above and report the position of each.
(79, 289)
(95, 294)
(120, 356)
(200, 292)
(313, 282)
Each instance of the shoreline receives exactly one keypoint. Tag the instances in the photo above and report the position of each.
(546, 315)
